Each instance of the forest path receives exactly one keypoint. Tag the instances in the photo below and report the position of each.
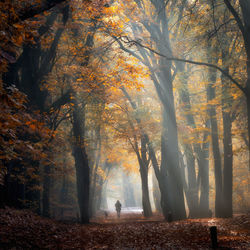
(25, 230)
(125, 217)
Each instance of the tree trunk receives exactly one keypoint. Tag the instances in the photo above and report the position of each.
(63, 195)
(192, 197)
(198, 206)
(162, 179)
(215, 142)
(93, 187)
(81, 162)
(32, 188)
(143, 163)
(227, 140)
(245, 8)
(98, 198)
(170, 168)
(156, 193)
(46, 192)
(82, 182)
(203, 157)
(147, 211)
(96, 156)
(104, 202)
(170, 179)
(228, 165)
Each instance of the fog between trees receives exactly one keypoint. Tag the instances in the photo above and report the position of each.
(142, 101)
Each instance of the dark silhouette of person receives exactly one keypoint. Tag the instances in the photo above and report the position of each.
(106, 214)
(118, 207)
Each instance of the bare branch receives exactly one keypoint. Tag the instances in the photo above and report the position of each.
(189, 61)
(236, 16)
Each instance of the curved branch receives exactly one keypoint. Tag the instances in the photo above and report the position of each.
(236, 16)
(192, 62)
(128, 50)
(61, 101)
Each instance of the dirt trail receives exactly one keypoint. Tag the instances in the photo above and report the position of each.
(124, 218)
(24, 230)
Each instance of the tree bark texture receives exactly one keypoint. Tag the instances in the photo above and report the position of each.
(211, 94)
(81, 162)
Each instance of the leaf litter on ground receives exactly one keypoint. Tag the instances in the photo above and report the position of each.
(22, 229)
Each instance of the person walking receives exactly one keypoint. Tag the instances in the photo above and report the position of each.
(118, 207)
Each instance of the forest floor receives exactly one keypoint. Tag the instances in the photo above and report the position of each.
(25, 230)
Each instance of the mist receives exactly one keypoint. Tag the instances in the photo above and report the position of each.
(145, 102)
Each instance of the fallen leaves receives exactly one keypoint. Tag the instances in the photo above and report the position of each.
(25, 230)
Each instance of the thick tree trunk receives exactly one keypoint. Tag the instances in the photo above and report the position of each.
(217, 163)
(215, 143)
(96, 181)
(93, 188)
(81, 163)
(82, 182)
(204, 178)
(156, 193)
(228, 166)
(192, 197)
(169, 176)
(143, 163)
(227, 139)
(162, 180)
(147, 211)
(170, 168)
